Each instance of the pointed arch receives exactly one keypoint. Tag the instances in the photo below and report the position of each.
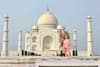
(47, 41)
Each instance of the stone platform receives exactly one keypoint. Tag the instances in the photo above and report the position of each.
(54, 61)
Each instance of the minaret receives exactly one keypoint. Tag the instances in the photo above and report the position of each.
(20, 43)
(27, 41)
(4, 51)
(89, 36)
(75, 42)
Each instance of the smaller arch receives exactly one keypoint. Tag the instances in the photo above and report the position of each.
(33, 47)
(34, 39)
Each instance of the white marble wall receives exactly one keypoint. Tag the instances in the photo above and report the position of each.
(49, 61)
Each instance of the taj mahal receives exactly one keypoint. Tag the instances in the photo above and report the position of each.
(44, 40)
(45, 35)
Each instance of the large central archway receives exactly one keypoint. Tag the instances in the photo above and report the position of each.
(47, 41)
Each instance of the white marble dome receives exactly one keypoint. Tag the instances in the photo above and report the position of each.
(60, 27)
(89, 17)
(47, 19)
(34, 28)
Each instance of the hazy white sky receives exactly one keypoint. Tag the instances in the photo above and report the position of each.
(70, 13)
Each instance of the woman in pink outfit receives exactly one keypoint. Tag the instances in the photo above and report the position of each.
(66, 46)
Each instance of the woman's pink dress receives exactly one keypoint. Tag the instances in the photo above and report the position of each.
(66, 44)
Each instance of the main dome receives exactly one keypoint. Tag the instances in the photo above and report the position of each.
(47, 19)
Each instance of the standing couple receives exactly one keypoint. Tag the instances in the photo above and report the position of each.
(64, 42)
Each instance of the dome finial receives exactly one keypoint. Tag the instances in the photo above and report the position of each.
(47, 9)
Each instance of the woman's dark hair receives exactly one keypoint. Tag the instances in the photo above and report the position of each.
(67, 34)
(67, 37)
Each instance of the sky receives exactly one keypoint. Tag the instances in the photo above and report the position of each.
(23, 14)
